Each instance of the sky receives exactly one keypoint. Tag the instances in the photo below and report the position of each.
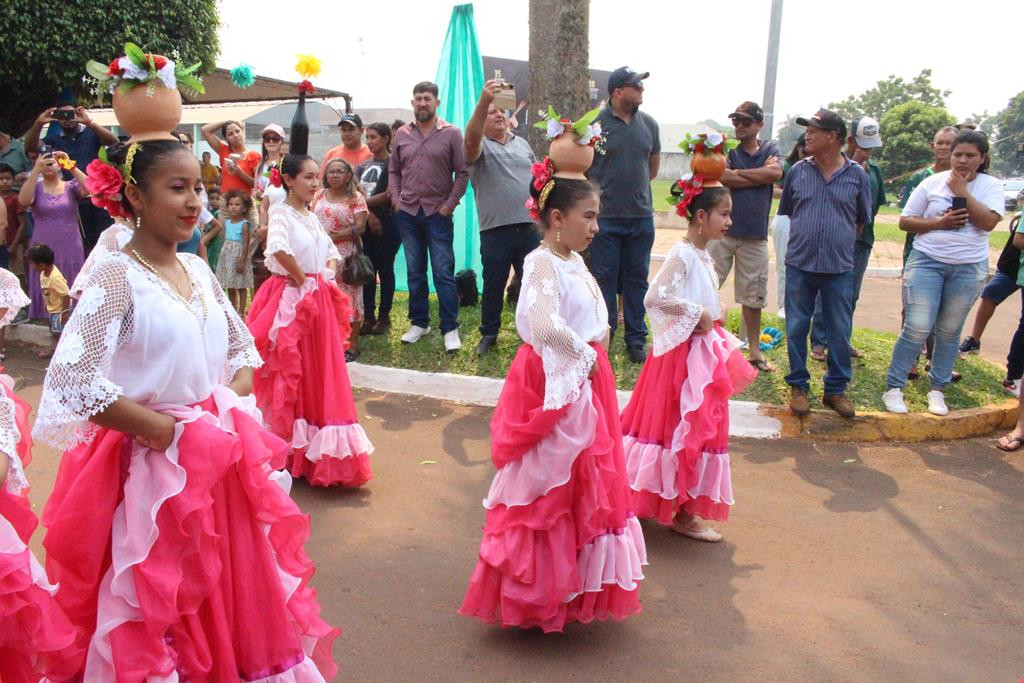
(702, 62)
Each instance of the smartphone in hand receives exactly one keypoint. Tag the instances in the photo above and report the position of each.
(959, 203)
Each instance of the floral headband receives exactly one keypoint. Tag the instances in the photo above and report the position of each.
(106, 182)
(684, 191)
(543, 182)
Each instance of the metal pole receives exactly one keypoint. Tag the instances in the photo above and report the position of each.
(771, 68)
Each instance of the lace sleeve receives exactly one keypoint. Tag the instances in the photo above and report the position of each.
(333, 253)
(11, 296)
(76, 385)
(567, 358)
(673, 318)
(278, 241)
(241, 345)
(9, 438)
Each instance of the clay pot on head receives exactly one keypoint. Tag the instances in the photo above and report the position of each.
(148, 111)
(571, 159)
(710, 166)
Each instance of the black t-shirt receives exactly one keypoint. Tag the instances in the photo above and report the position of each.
(373, 178)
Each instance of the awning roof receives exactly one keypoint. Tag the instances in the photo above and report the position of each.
(198, 113)
(220, 90)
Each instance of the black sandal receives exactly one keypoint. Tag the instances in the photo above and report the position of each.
(1013, 443)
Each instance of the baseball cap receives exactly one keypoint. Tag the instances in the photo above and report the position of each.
(825, 120)
(273, 128)
(624, 76)
(865, 130)
(354, 119)
(750, 110)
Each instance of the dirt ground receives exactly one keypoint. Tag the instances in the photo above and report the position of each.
(840, 563)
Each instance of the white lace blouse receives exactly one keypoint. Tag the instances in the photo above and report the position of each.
(9, 439)
(110, 240)
(560, 312)
(131, 336)
(300, 235)
(685, 286)
(11, 297)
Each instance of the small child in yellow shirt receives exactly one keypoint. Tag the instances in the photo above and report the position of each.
(55, 291)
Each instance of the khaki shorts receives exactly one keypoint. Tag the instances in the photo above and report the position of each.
(751, 259)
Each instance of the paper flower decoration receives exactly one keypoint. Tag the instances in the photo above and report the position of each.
(684, 190)
(308, 66)
(138, 68)
(306, 87)
(242, 76)
(708, 143)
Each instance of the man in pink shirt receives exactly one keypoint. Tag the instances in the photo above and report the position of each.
(351, 148)
(427, 177)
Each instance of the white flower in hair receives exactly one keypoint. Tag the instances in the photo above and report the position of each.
(715, 139)
(555, 128)
(166, 75)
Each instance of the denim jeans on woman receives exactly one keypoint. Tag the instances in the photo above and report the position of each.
(434, 234)
(381, 249)
(836, 289)
(937, 297)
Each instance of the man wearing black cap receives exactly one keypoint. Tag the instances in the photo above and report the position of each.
(754, 167)
(828, 200)
(352, 149)
(621, 251)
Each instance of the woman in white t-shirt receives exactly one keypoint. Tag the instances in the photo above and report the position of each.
(951, 214)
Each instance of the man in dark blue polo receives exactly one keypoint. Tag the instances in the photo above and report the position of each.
(828, 200)
(621, 251)
(72, 131)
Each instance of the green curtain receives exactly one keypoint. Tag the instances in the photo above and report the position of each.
(460, 78)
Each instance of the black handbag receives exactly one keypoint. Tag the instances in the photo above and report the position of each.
(357, 268)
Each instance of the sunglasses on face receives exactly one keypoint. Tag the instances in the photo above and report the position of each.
(636, 86)
(271, 138)
(739, 121)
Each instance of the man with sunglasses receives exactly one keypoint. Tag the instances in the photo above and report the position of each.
(621, 251)
(753, 169)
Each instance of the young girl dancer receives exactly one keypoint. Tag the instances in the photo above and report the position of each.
(676, 426)
(234, 268)
(32, 627)
(300, 320)
(342, 211)
(167, 521)
(560, 543)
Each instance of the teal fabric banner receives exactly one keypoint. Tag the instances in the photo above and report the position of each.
(460, 78)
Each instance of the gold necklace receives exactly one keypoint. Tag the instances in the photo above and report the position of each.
(177, 290)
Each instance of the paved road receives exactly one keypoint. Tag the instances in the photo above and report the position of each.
(841, 563)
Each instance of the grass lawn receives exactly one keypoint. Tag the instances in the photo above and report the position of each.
(980, 386)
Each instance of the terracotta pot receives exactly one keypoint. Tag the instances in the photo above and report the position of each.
(710, 166)
(149, 111)
(571, 159)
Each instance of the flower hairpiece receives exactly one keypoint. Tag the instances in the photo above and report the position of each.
(587, 128)
(684, 191)
(137, 68)
(105, 181)
(544, 183)
(274, 177)
(708, 143)
(243, 76)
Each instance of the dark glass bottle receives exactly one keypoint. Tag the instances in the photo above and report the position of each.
(299, 138)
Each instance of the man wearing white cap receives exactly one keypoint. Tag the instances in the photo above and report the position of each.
(864, 138)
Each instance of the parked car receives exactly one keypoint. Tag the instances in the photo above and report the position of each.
(1013, 193)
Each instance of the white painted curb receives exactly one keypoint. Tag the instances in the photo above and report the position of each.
(744, 419)
(29, 334)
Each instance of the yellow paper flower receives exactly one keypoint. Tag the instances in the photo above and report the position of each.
(308, 66)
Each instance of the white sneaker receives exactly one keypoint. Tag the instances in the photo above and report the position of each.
(893, 400)
(782, 313)
(415, 333)
(937, 403)
(452, 343)
(1012, 386)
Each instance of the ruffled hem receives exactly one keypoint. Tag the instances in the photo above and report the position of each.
(201, 528)
(654, 469)
(350, 471)
(335, 455)
(616, 558)
(649, 505)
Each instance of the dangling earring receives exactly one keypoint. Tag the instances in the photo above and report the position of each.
(558, 236)
(700, 230)
(138, 222)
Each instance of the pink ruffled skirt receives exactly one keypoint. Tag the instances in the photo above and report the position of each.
(303, 388)
(676, 428)
(560, 543)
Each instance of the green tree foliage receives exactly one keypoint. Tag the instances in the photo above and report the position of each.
(46, 45)
(890, 92)
(1009, 133)
(907, 131)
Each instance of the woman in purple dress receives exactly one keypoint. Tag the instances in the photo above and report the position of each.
(54, 204)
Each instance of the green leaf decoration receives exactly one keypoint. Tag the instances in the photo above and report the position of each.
(191, 69)
(96, 70)
(580, 126)
(191, 82)
(135, 53)
(542, 124)
(103, 155)
(127, 85)
(552, 114)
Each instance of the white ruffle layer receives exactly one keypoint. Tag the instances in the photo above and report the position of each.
(613, 558)
(290, 298)
(332, 441)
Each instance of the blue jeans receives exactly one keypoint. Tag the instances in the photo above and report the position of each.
(502, 249)
(861, 256)
(434, 234)
(622, 249)
(382, 250)
(936, 298)
(836, 289)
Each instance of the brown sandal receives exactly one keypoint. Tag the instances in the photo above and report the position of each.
(1009, 444)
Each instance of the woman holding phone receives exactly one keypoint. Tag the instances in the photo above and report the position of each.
(951, 214)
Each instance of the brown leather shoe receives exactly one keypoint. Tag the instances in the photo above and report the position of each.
(798, 401)
(840, 404)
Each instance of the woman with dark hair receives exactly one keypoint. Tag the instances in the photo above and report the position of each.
(382, 240)
(300, 320)
(560, 542)
(237, 164)
(951, 214)
(167, 522)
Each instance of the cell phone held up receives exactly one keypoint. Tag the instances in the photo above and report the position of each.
(506, 97)
(64, 114)
(959, 203)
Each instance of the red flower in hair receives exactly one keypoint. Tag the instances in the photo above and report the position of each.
(104, 183)
(115, 68)
(542, 173)
(306, 87)
(533, 209)
(689, 188)
(275, 177)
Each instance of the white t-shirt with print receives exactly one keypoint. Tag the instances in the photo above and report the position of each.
(932, 198)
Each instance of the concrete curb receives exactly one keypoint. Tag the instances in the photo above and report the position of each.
(745, 418)
(29, 333)
(825, 425)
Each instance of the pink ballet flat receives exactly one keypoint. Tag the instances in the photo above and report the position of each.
(707, 534)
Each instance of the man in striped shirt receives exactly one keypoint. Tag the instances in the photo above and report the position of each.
(828, 200)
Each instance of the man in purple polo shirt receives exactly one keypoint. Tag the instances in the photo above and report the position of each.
(427, 177)
(754, 167)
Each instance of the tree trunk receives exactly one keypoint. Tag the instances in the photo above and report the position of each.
(559, 56)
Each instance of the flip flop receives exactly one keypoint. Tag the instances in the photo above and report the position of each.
(1013, 443)
(762, 365)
